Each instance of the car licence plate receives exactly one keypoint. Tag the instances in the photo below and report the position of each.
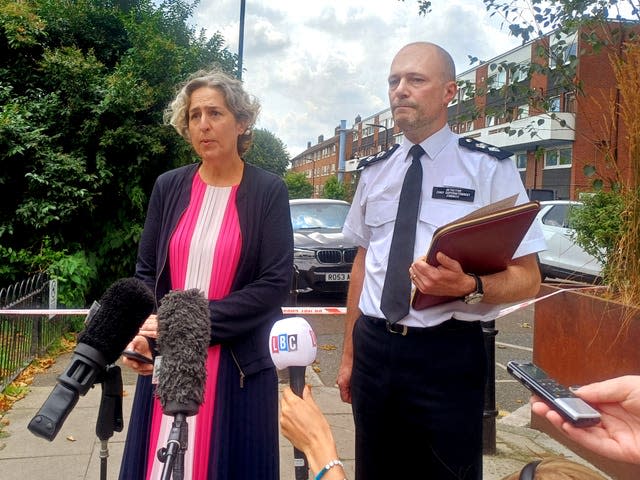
(337, 277)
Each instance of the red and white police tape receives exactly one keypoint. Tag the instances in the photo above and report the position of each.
(292, 310)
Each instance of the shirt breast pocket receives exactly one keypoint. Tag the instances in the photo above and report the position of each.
(437, 214)
(380, 218)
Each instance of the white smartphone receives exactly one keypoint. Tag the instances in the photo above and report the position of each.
(557, 396)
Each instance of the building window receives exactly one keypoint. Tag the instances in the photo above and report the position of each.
(465, 92)
(570, 102)
(497, 79)
(490, 121)
(469, 126)
(519, 73)
(521, 161)
(522, 112)
(554, 104)
(562, 54)
(558, 158)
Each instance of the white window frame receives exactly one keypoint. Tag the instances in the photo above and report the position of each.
(522, 111)
(557, 153)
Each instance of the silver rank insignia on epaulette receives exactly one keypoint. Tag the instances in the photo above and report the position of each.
(475, 145)
(383, 155)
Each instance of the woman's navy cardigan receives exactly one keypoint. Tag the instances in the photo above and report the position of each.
(243, 319)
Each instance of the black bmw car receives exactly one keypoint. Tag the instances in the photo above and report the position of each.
(322, 259)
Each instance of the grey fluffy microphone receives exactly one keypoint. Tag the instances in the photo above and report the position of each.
(184, 333)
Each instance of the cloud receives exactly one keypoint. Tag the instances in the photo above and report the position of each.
(312, 64)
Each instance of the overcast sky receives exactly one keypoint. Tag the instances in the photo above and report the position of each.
(312, 63)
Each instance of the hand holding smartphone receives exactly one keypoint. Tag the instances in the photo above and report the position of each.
(137, 357)
(557, 396)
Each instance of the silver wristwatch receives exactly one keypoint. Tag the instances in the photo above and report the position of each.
(477, 295)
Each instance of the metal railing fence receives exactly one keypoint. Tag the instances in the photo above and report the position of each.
(24, 337)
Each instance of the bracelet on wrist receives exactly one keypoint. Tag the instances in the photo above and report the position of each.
(328, 467)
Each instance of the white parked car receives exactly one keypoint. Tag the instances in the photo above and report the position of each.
(563, 257)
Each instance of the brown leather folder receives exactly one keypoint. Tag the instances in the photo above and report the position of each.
(483, 243)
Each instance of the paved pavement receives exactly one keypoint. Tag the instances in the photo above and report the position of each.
(75, 452)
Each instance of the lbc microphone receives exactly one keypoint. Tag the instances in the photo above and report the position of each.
(292, 343)
(119, 315)
(184, 334)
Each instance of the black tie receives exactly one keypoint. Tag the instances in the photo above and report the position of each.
(396, 292)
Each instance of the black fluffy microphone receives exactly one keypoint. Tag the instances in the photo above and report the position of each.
(121, 311)
(184, 333)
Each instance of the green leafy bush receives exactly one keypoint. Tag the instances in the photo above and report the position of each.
(598, 225)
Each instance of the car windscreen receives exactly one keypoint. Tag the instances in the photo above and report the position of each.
(318, 216)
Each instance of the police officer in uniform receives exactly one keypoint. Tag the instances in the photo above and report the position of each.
(416, 379)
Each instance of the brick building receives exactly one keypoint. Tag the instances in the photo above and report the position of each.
(553, 131)
(321, 161)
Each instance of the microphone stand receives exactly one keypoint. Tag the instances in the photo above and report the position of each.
(296, 382)
(110, 413)
(173, 454)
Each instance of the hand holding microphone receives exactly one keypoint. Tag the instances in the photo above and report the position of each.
(293, 345)
(121, 311)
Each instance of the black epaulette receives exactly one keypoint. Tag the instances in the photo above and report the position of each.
(477, 146)
(383, 155)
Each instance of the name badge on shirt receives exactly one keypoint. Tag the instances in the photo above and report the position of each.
(453, 193)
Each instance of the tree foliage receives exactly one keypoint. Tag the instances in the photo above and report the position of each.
(335, 189)
(598, 224)
(83, 86)
(298, 185)
(267, 151)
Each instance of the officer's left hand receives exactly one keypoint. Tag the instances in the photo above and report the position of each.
(447, 279)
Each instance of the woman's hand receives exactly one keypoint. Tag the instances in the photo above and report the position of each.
(307, 428)
(617, 436)
(140, 345)
(150, 327)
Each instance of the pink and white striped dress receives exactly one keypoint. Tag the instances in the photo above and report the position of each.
(203, 253)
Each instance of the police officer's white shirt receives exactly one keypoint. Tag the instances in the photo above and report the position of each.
(467, 174)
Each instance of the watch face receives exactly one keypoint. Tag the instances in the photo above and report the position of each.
(472, 298)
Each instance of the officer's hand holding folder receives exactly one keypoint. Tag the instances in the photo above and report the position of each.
(483, 241)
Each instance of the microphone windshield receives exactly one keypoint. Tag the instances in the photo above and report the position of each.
(184, 334)
(292, 343)
(123, 309)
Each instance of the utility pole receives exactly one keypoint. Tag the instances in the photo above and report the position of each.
(241, 39)
(386, 134)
